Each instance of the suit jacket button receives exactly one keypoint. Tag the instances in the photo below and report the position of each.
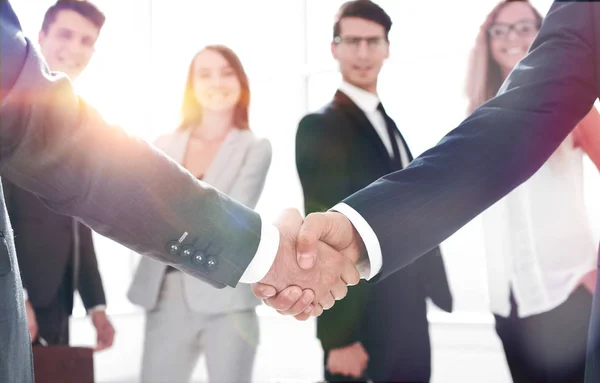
(173, 247)
(199, 257)
(187, 251)
(211, 263)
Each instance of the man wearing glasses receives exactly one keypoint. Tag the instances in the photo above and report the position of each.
(380, 331)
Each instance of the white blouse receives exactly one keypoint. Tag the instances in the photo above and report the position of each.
(538, 239)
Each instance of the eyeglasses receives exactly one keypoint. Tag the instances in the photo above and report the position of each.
(522, 28)
(352, 42)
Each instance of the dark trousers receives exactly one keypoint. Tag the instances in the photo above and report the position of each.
(53, 320)
(548, 347)
(394, 376)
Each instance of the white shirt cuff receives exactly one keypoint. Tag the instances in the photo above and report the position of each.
(265, 255)
(25, 295)
(96, 308)
(371, 265)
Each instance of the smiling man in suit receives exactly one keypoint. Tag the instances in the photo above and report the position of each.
(378, 331)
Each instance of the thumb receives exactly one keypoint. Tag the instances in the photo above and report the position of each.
(312, 230)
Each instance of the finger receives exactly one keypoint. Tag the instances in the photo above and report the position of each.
(285, 299)
(327, 301)
(339, 290)
(305, 315)
(350, 275)
(317, 310)
(263, 291)
(301, 304)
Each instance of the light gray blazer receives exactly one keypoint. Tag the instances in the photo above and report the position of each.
(239, 169)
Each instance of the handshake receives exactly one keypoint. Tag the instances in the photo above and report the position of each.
(315, 264)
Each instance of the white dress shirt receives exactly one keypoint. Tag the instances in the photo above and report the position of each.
(371, 265)
(538, 240)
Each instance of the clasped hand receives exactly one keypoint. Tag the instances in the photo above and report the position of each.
(315, 264)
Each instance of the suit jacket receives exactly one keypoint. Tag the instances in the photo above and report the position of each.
(338, 152)
(54, 145)
(45, 246)
(498, 147)
(239, 169)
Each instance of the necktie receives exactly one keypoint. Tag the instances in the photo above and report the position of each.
(392, 132)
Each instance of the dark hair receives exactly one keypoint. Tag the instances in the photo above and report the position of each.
(84, 8)
(363, 9)
(191, 110)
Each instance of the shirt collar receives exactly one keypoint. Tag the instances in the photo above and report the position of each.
(366, 101)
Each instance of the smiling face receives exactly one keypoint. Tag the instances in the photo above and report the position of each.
(68, 43)
(512, 33)
(215, 82)
(360, 50)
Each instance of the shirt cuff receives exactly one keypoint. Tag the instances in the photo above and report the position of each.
(369, 266)
(25, 295)
(96, 308)
(265, 255)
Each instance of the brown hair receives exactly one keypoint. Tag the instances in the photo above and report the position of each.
(363, 9)
(484, 77)
(84, 8)
(191, 110)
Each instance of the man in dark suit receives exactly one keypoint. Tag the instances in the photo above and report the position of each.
(378, 331)
(494, 150)
(56, 254)
(56, 146)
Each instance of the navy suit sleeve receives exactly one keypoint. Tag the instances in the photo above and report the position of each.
(90, 282)
(494, 150)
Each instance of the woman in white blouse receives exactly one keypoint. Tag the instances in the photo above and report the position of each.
(541, 253)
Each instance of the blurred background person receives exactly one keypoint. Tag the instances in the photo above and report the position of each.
(184, 316)
(379, 331)
(540, 251)
(56, 253)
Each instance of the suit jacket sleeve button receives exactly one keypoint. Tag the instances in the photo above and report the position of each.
(173, 247)
(187, 251)
(199, 257)
(211, 263)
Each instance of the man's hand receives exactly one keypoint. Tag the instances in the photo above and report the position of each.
(105, 332)
(31, 321)
(328, 277)
(349, 361)
(331, 228)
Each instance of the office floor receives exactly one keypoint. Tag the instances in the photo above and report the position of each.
(465, 349)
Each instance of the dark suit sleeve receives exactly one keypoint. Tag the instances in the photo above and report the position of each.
(433, 279)
(494, 150)
(321, 161)
(54, 145)
(90, 283)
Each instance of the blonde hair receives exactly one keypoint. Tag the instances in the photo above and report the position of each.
(484, 77)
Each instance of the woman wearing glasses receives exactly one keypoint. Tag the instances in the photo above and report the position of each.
(541, 254)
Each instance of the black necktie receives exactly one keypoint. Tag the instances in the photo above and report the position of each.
(391, 128)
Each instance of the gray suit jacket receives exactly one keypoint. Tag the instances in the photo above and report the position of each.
(54, 145)
(239, 169)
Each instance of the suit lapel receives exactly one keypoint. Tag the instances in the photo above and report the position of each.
(230, 156)
(347, 106)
